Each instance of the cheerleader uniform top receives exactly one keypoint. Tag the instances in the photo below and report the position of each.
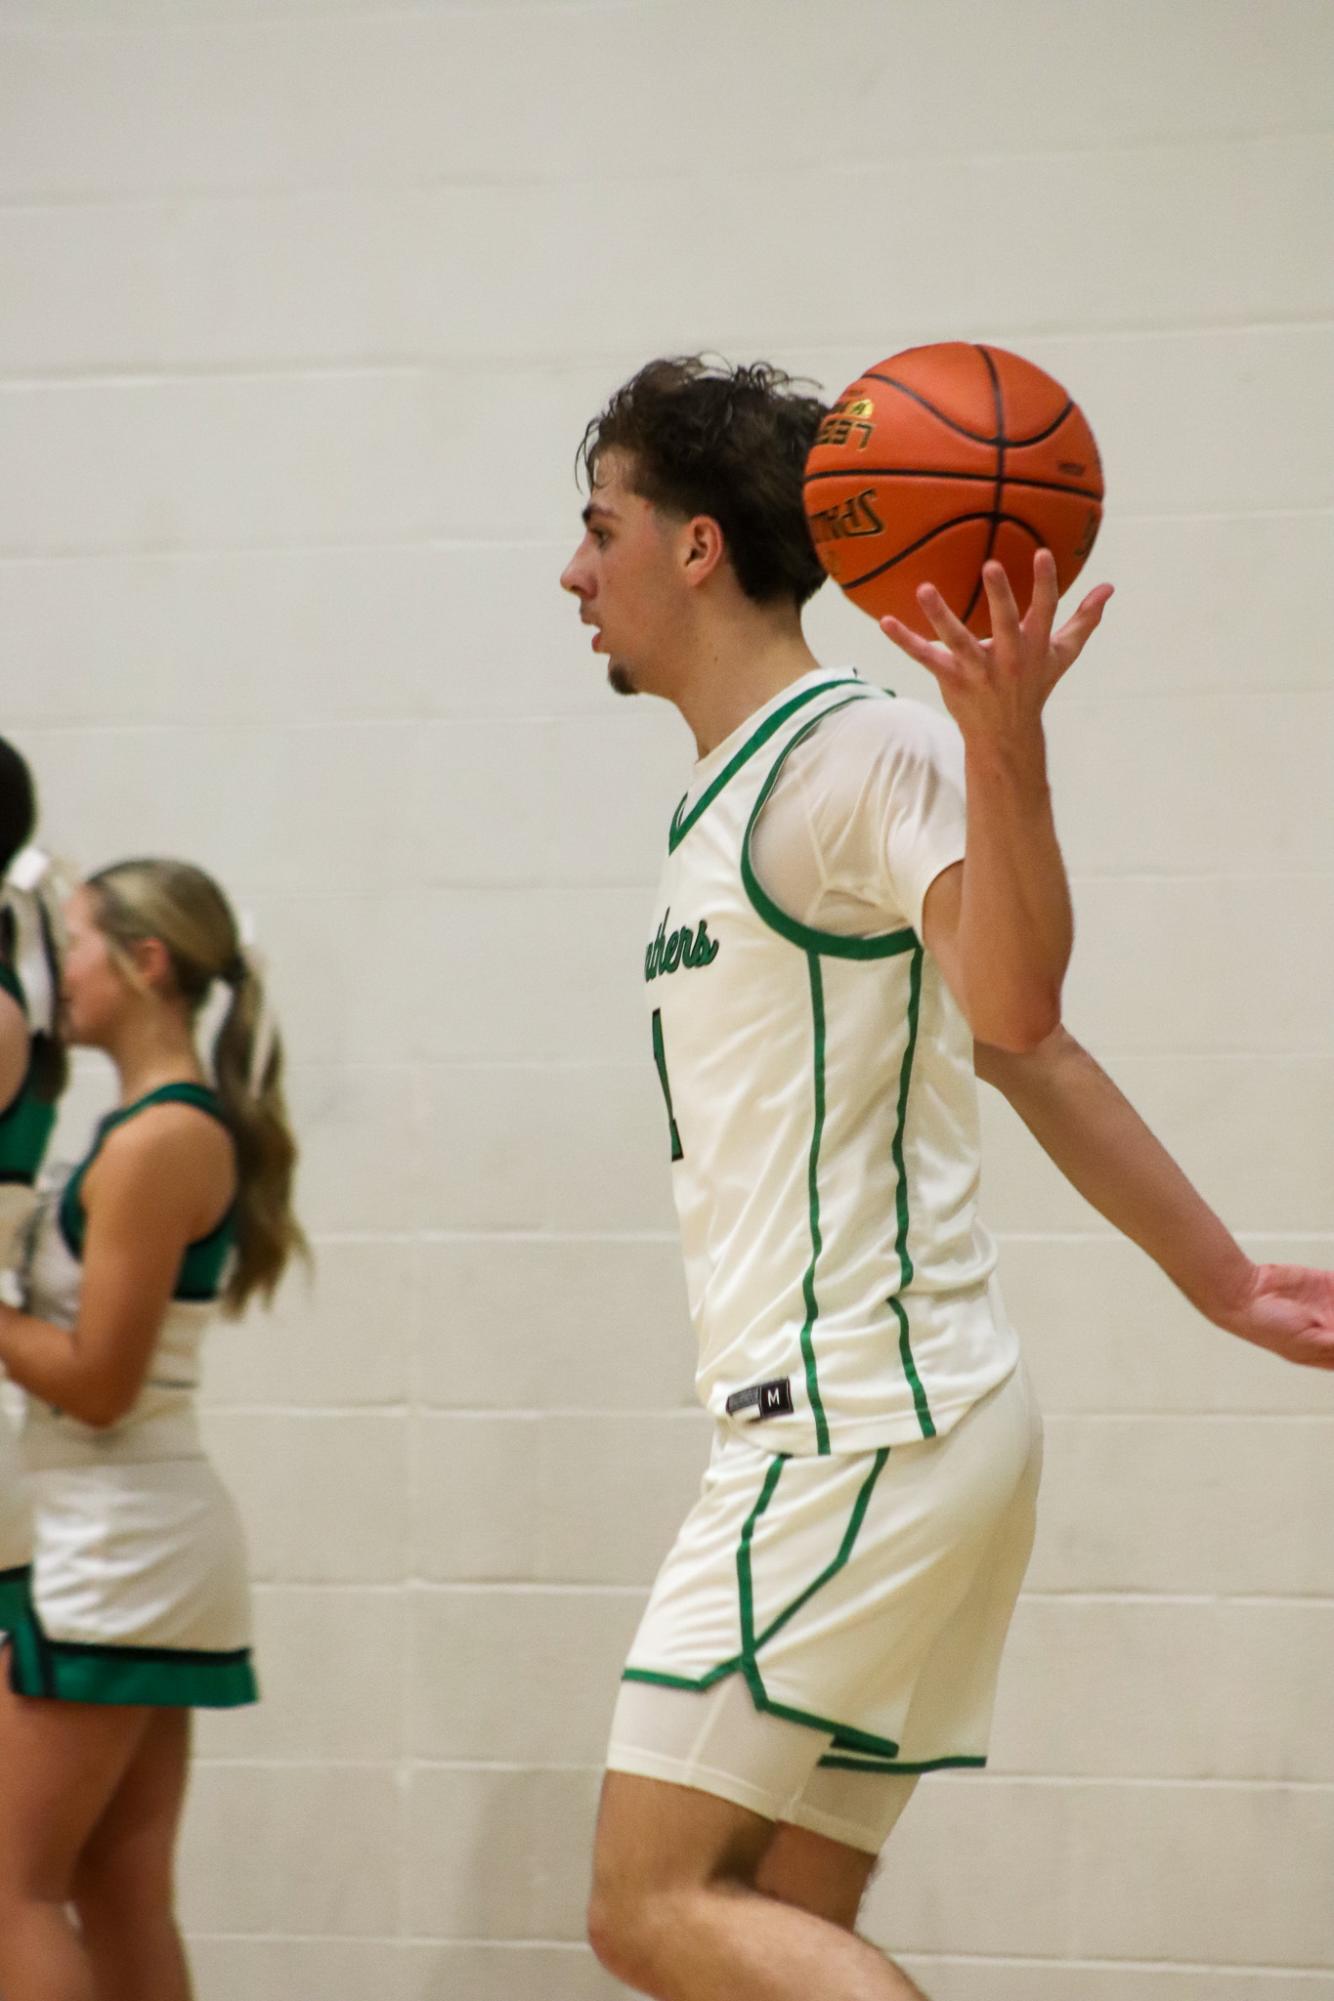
(26, 1124)
(139, 1579)
(161, 1423)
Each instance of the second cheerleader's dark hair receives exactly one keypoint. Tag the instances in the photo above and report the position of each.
(185, 910)
(18, 823)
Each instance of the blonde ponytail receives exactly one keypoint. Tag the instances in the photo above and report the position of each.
(184, 908)
(248, 1067)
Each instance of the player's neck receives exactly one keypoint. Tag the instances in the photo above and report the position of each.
(735, 668)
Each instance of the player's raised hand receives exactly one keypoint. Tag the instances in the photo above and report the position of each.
(1289, 1309)
(997, 687)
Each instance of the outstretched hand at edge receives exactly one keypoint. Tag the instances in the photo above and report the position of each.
(997, 687)
(1288, 1309)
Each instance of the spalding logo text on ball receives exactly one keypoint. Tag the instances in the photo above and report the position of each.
(938, 460)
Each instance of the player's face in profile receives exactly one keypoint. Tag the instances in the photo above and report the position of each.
(624, 576)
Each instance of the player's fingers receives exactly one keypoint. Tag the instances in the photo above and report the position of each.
(951, 631)
(1004, 611)
(1073, 636)
(1041, 613)
(924, 651)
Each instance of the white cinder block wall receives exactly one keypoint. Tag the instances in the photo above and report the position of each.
(303, 305)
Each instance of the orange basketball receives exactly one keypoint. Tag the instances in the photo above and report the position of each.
(939, 459)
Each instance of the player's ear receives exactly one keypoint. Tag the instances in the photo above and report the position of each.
(704, 548)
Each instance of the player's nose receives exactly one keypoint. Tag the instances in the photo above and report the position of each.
(573, 579)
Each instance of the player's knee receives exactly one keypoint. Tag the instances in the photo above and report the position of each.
(31, 1877)
(626, 1929)
(612, 1931)
(608, 1934)
(115, 1894)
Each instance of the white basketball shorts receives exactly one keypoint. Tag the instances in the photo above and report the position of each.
(861, 1603)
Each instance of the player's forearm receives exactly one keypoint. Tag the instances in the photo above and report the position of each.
(1106, 1151)
(1015, 922)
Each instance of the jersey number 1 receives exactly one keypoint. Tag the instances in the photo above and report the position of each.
(660, 1058)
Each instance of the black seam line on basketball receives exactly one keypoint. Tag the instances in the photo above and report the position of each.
(1040, 437)
(978, 437)
(948, 473)
(999, 403)
(854, 583)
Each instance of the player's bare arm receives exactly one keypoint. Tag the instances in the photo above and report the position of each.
(15, 1042)
(1106, 1151)
(1000, 924)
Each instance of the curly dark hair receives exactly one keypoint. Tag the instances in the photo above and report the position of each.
(730, 442)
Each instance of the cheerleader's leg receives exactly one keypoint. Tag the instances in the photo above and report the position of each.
(63, 1762)
(124, 1882)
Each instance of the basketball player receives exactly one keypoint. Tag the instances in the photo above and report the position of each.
(859, 903)
(140, 1602)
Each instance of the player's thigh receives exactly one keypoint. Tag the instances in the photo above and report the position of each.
(128, 1859)
(823, 1857)
(62, 1763)
(714, 1741)
(654, 1837)
(812, 1873)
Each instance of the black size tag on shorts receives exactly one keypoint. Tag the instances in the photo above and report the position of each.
(762, 1400)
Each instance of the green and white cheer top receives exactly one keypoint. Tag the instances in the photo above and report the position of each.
(819, 1086)
(26, 1124)
(162, 1423)
(25, 1128)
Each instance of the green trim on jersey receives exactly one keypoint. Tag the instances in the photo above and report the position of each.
(920, 1404)
(827, 944)
(202, 1266)
(832, 944)
(813, 1197)
(681, 826)
(845, 1736)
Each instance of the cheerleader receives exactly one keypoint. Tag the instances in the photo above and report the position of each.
(32, 1075)
(181, 1208)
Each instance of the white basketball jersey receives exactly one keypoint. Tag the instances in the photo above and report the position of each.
(823, 1123)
